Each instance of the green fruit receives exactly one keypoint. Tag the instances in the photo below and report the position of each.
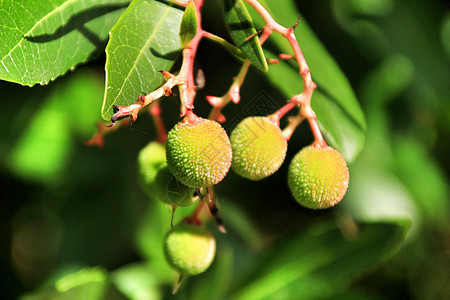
(318, 177)
(259, 148)
(150, 159)
(169, 190)
(189, 249)
(198, 154)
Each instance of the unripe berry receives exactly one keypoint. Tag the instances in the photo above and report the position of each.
(189, 249)
(150, 159)
(318, 177)
(198, 152)
(259, 148)
(169, 190)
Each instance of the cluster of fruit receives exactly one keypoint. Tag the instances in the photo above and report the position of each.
(198, 154)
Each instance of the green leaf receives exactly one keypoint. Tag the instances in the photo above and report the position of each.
(144, 41)
(189, 23)
(320, 262)
(338, 112)
(241, 27)
(42, 40)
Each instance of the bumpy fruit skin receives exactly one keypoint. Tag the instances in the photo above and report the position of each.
(318, 177)
(198, 154)
(150, 159)
(189, 249)
(169, 190)
(259, 148)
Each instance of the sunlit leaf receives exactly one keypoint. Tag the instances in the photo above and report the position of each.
(41, 40)
(241, 28)
(144, 41)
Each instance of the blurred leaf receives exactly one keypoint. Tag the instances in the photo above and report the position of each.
(144, 41)
(345, 132)
(42, 40)
(238, 221)
(150, 236)
(371, 8)
(189, 23)
(385, 83)
(137, 282)
(393, 76)
(81, 277)
(215, 283)
(241, 27)
(445, 34)
(88, 283)
(375, 195)
(429, 185)
(356, 294)
(320, 262)
(43, 150)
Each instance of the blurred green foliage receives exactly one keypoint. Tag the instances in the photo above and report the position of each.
(75, 223)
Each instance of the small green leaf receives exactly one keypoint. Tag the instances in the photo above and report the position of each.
(339, 114)
(144, 41)
(320, 262)
(189, 23)
(241, 27)
(42, 40)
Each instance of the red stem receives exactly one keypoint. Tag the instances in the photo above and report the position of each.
(155, 111)
(303, 99)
